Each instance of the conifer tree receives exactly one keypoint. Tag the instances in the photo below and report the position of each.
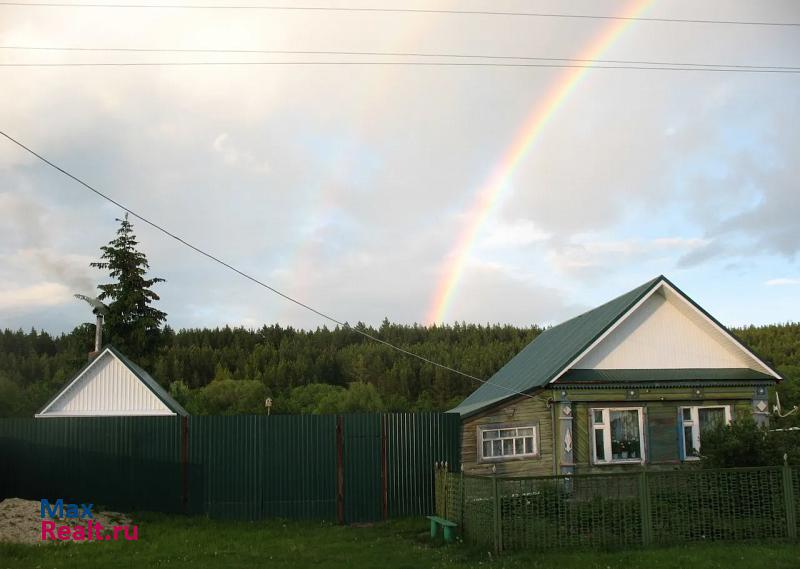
(132, 324)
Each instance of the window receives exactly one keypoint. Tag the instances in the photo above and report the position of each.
(505, 442)
(617, 435)
(695, 421)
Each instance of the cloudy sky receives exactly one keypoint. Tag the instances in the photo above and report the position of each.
(351, 187)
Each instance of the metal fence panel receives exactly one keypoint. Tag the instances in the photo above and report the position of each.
(415, 442)
(115, 462)
(363, 468)
(253, 467)
(237, 467)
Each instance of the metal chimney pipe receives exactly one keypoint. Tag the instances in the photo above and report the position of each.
(98, 334)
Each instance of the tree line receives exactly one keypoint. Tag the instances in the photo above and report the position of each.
(234, 370)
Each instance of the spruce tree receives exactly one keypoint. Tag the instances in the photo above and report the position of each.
(132, 324)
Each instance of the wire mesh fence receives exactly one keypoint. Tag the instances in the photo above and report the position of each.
(621, 510)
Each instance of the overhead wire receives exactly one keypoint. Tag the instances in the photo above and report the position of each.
(769, 70)
(384, 54)
(441, 11)
(249, 277)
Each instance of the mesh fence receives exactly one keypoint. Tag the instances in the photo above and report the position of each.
(718, 505)
(622, 510)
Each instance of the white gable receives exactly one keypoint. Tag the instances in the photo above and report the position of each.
(665, 331)
(106, 388)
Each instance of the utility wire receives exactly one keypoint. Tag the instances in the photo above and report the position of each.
(251, 278)
(402, 10)
(789, 70)
(385, 54)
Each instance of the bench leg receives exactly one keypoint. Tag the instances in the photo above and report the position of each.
(449, 532)
(433, 529)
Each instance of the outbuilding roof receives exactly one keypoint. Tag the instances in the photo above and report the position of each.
(145, 378)
(552, 352)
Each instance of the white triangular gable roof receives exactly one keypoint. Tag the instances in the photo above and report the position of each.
(664, 330)
(106, 388)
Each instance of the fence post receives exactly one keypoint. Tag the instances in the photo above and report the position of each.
(645, 509)
(339, 469)
(185, 464)
(461, 504)
(788, 500)
(498, 521)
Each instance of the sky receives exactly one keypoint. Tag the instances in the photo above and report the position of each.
(352, 187)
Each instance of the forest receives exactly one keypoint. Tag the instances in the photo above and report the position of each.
(228, 371)
(233, 370)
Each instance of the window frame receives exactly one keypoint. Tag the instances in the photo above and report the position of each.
(481, 429)
(605, 426)
(694, 423)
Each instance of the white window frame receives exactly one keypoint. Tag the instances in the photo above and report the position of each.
(605, 426)
(525, 455)
(694, 423)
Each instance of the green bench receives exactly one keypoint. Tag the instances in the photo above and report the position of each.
(449, 528)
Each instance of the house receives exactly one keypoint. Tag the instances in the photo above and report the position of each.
(632, 382)
(111, 385)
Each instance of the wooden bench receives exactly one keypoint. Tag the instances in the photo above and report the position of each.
(449, 528)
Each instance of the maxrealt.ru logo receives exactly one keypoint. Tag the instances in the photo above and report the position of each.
(90, 531)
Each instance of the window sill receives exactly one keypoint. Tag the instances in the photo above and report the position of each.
(621, 461)
(494, 460)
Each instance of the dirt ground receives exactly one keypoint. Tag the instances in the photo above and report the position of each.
(21, 521)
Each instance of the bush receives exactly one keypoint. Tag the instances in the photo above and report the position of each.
(743, 443)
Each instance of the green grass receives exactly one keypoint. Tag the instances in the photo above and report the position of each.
(178, 542)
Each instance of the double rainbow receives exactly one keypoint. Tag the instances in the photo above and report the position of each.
(488, 197)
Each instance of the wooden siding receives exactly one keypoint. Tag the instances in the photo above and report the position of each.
(519, 412)
(666, 332)
(660, 419)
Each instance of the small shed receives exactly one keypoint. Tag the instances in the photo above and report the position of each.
(111, 385)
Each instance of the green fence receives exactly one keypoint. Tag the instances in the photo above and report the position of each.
(346, 468)
(622, 510)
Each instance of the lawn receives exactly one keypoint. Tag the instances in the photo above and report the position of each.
(177, 542)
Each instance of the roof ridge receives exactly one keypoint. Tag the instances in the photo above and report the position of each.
(651, 282)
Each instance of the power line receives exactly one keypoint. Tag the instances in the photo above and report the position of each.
(385, 54)
(402, 10)
(251, 278)
(789, 70)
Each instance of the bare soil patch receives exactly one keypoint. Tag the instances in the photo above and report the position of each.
(21, 521)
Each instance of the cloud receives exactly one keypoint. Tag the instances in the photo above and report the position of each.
(493, 292)
(516, 233)
(348, 187)
(234, 156)
(783, 282)
(21, 299)
(591, 255)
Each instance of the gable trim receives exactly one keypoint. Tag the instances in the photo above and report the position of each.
(79, 375)
(170, 411)
(663, 281)
(599, 338)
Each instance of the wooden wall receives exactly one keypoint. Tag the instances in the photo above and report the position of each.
(661, 427)
(518, 411)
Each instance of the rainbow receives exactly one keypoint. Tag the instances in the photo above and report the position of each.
(489, 196)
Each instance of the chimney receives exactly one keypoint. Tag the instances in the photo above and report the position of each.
(98, 336)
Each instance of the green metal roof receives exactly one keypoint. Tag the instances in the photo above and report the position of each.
(552, 351)
(584, 376)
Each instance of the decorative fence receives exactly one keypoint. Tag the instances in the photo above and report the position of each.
(622, 510)
(345, 468)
